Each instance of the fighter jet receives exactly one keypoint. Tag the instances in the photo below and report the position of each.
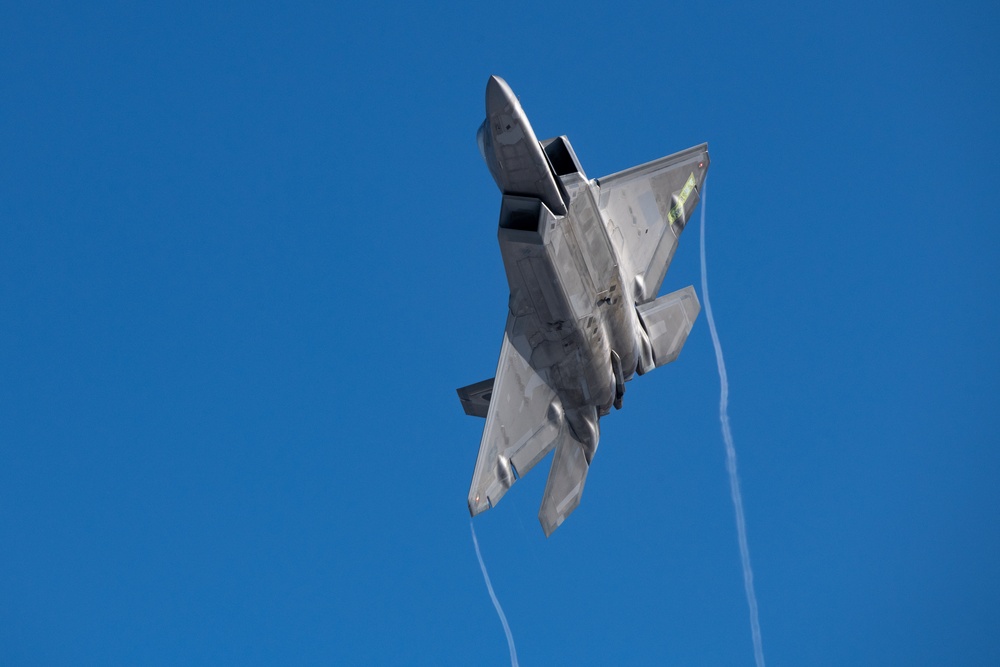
(584, 259)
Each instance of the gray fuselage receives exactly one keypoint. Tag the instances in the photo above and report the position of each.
(568, 296)
(584, 260)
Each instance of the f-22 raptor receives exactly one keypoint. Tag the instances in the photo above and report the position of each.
(584, 261)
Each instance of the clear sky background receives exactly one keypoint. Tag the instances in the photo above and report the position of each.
(247, 253)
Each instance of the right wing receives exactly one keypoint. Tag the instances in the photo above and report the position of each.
(646, 208)
(522, 424)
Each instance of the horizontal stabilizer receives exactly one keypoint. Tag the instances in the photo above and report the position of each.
(476, 398)
(565, 486)
(667, 322)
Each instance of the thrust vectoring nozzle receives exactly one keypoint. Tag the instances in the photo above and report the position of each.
(512, 152)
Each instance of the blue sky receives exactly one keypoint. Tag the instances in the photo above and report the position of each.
(247, 254)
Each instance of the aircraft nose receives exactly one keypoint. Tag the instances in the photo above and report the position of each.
(498, 95)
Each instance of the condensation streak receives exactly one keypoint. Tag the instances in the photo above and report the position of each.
(727, 436)
(493, 596)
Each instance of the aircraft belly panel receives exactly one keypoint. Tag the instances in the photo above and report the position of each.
(540, 290)
(598, 256)
(568, 262)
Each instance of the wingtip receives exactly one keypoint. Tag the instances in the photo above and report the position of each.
(476, 507)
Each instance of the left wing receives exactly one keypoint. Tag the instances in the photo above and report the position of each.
(522, 424)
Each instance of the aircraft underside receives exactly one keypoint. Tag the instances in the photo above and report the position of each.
(584, 260)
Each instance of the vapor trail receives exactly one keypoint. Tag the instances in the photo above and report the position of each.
(493, 596)
(727, 435)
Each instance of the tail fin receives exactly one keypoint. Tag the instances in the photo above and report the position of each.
(476, 398)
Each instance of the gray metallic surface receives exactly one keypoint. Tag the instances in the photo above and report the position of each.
(666, 322)
(512, 153)
(584, 260)
(645, 213)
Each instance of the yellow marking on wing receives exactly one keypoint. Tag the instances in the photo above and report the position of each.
(677, 208)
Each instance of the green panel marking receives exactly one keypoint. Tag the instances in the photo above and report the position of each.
(677, 208)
